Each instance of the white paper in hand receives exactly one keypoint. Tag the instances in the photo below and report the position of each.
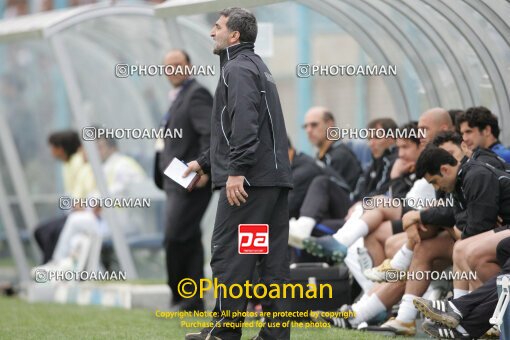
(176, 169)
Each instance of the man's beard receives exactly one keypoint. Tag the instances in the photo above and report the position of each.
(219, 47)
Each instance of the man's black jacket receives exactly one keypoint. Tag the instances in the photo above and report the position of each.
(376, 178)
(445, 216)
(191, 112)
(490, 157)
(481, 194)
(340, 158)
(248, 135)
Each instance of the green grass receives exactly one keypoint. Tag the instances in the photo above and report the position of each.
(22, 320)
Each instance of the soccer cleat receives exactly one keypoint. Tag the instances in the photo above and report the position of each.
(297, 234)
(382, 273)
(335, 321)
(438, 311)
(326, 246)
(204, 334)
(441, 332)
(399, 327)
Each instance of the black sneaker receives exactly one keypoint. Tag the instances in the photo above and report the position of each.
(438, 311)
(204, 334)
(441, 332)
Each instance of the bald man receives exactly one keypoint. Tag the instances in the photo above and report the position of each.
(434, 121)
(190, 111)
(333, 154)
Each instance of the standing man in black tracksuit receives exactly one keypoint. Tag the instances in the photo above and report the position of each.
(249, 163)
(189, 111)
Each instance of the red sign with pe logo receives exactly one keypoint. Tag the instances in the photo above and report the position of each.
(253, 238)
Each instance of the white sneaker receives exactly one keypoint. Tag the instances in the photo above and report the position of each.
(299, 230)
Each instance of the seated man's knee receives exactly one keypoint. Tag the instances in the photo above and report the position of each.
(391, 213)
(320, 181)
(459, 251)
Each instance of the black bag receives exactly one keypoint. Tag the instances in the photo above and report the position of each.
(321, 273)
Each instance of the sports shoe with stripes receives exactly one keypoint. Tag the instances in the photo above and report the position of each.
(441, 332)
(438, 311)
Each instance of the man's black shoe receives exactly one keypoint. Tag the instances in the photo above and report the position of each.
(438, 311)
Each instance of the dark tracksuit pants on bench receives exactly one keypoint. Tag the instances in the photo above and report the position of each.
(477, 307)
(327, 201)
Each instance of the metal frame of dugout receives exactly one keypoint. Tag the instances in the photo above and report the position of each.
(483, 26)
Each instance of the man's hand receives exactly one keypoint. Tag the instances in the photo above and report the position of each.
(410, 218)
(235, 191)
(457, 234)
(401, 167)
(193, 166)
(413, 235)
(202, 182)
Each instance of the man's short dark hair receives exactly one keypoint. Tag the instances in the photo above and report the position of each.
(431, 159)
(242, 21)
(185, 54)
(454, 115)
(480, 117)
(68, 140)
(387, 124)
(410, 131)
(328, 116)
(447, 136)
